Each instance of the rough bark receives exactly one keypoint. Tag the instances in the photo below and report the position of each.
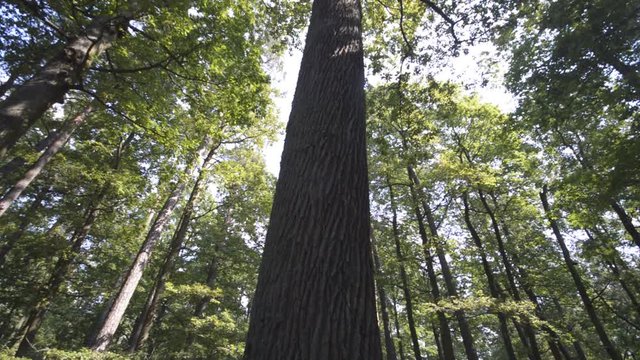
(119, 303)
(493, 285)
(609, 346)
(146, 319)
(28, 102)
(382, 299)
(315, 297)
(449, 279)
(58, 142)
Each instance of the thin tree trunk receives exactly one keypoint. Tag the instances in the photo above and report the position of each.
(577, 279)
(447, 342)
(382, 296)
(397, 325)
(58, 142)
(27, 219)
(627, 222)
(62, 267)
(118, 305)
(558, 349)
(493, 286)
(28, 102)
(404, 279)
(611, 261)
(449, 280)
(526, 331)
(146, 319)
(59, 273)
(315, 297)
(201, 305)
(18, 162)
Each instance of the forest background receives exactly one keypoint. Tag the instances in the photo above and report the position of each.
(136, 195)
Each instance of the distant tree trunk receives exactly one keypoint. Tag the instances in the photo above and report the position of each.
(404, 279)
(396, 322)
(493, 285)
(27, 333)
(382, 296)
(201, 305)
(627, 222)
(59, 273)
(611, 259)
(445, 334)
(118, 305)
(558, 349)
(28, 102)
(146, 319)
(315, 297)
(577, 279)
(17, 162)
(449, 280)
(526, 332)
(58, 142)
(27, 219)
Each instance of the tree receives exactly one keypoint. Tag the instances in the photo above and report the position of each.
(315, 294)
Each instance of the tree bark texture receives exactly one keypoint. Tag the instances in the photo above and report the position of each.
(609, 346)
(315, 297)
(28, 102)
(58, 142)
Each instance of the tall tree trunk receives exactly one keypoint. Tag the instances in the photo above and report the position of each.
(315, 297)
(526, 332)
(58, 142)
(404, 279)
(118, 305)
(493, 285)
(577, 279)
(146, 319)
(27, 333)
(449, 280)
(447, 342)
(28, 102)
(382, 298)
(27, 218)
